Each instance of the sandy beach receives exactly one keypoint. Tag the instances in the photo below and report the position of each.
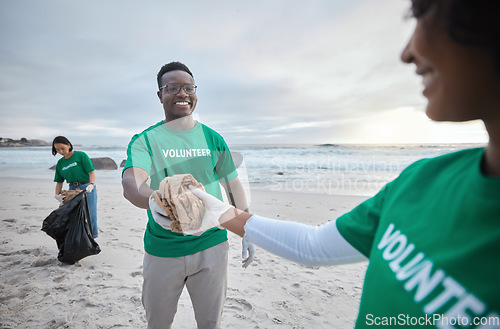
(104, 291)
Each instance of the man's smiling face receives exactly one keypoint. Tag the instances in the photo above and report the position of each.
(181, 104)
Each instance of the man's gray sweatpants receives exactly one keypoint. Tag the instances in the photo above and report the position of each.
(205, 277)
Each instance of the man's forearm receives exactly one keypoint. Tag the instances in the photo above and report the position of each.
(138, 195)
(236, 195)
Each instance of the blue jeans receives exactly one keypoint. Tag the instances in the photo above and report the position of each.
(92, 202)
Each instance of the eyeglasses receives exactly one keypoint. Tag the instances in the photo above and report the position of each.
(174, 88)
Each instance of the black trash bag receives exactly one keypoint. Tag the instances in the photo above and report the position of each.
(56, 224)
(70, 226)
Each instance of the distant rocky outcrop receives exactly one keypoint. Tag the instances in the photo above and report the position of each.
(23, 142)
(328, 145)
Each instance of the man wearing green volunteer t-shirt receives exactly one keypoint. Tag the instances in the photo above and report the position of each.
(181, 145)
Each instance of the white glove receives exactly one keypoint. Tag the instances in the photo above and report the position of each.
(89, 188)
(159, 214)
(214, 208)
(247, 246)
(59, 198)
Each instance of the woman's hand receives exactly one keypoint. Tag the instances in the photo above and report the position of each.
(89, 187)
(59, 198)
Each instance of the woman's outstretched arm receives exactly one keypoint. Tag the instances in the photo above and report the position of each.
(308, 245)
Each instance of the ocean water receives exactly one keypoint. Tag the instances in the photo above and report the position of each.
(34, 162)
(326, 169)
(333, 169)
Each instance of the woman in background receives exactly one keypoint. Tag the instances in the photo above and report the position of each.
(76, 168)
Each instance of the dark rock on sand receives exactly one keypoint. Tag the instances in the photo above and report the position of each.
(104, 163)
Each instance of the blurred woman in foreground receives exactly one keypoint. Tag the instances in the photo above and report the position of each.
(432, 235)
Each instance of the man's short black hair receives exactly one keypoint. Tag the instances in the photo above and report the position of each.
(172, 66)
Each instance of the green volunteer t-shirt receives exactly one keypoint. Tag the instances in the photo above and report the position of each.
(163, 152)
(74, 169)
(433, 238)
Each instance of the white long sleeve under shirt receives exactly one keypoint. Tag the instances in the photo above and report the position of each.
(300, 243)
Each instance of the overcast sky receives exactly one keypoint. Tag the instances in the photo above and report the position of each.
(268, 71)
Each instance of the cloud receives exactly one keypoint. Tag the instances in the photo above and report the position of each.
(301, 125)
(267, 71)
